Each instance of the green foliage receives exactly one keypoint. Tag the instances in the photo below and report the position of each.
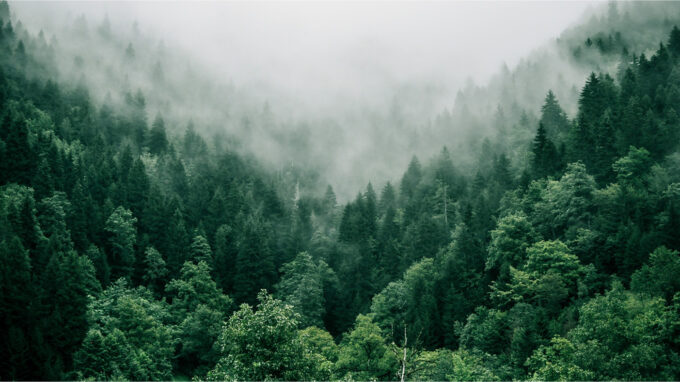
(254, 262)
(659, 277)
(155, 270)
(129, 337)
(509, 241)
(158, 141)
(364, 354)
(301, 286)
(16, 289)
(446, 365)
(122, 237)
(410, 305)
(323, 348)
(199, 250)
(547, 278)
(554, 118)
(545, 160)
(195, 287)
(198, 333)
(486, 265)
(263, 345)
(619, 336)
(564, 204)
(226, 251)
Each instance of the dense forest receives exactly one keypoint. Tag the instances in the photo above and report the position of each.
(131, 251)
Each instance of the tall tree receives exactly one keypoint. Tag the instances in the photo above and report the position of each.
(122, 237)
(301, 286)
(255, 268)
(19, 155)
(158, 140)
(263, 344)
(545, 160)
(554, 118)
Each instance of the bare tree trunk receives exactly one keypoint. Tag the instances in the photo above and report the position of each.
(403, 362)
(446, 215)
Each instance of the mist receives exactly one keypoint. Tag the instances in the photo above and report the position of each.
(351, 90)
(314, 54)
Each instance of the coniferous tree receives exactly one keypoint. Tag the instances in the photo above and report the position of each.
(199, 250)
(155, 270)
(18, 152)
(255, 268)
(158, 141)
(411, 178)
(554, 118)
(545, 160)
(16, 298)
(226, 252)
(122, 237)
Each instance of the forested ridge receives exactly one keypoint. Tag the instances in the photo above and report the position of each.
(131, 252)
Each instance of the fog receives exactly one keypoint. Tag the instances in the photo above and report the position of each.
(349, 89)
(313, 52)
(316, 54)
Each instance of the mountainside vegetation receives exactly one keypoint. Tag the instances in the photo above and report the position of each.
(133, 251)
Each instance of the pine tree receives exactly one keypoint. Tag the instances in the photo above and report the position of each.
(411, 179)
(137, 188)
(329, 201)
(199, 250)
(158, 140)
(254, 263)
(155, 270)
(100, 263)
(388, 198)
(674, 42)
(545, 161)
(18, 151)
(4, 11)
(17, 293)
(554, 118)
(301, 286)
(122, 237)
(604, 149)
(69, 279)
(193, 144)
(176, 241)
(369, 218)
(444, 171)
(226, 252)
(502, 172)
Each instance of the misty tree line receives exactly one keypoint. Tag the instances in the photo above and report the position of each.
(127, 252)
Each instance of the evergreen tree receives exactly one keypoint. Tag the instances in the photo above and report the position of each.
(155, 270)
(329, 201)
(17, 294)
(226, 252)
(254, 263)
(364, 353)
(263, 344)
(158, 141)
(18, 152)
(554, 118)
(411, 178)
(301, 286)
(674, 42)
(68, 281)
(122, 237)
(545, 160)
(199, 250)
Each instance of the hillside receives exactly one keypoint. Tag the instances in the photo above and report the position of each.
(146, 235)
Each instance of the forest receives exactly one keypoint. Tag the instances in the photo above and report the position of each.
(133, 248)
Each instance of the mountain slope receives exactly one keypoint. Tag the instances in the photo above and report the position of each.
(126, 246)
